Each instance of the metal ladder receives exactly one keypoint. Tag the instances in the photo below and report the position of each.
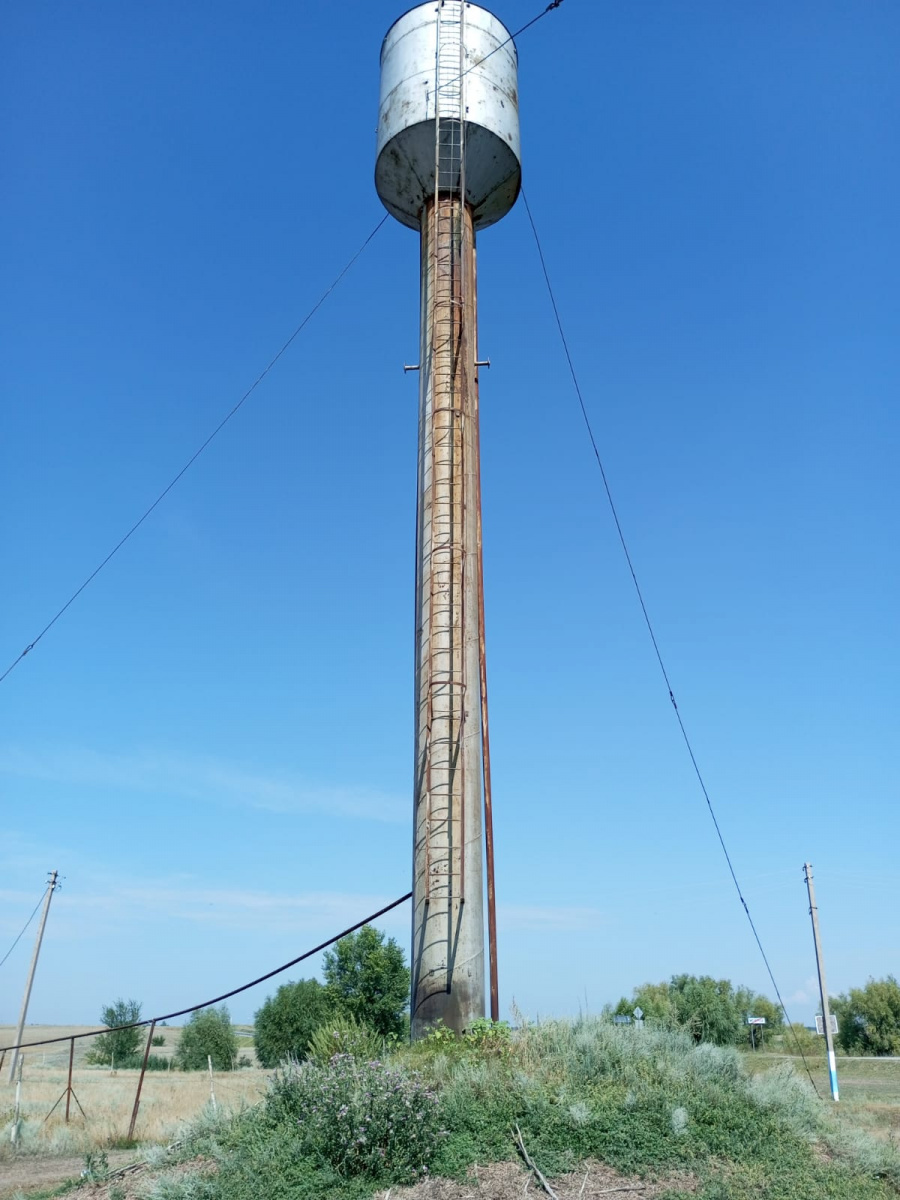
(446, 684)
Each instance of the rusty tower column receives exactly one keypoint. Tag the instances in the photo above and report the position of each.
(448, 165)
(448, 913)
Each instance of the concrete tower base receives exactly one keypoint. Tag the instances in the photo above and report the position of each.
(448, 921)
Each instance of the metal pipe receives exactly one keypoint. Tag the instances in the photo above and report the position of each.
(69, 1084)
(483, 689)
(137, 1098)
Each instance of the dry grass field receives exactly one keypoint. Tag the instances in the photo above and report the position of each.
(49, 1150)
(869, 1089)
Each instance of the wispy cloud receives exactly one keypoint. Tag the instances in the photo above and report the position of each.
(807, 993)
(202, 779)
(100, 901)
(540, 917)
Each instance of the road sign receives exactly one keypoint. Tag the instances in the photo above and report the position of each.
(639, 1014)
(820, 1024)
(621, 1020)
(756, 1020)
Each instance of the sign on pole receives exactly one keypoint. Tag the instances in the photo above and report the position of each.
(820, 1024)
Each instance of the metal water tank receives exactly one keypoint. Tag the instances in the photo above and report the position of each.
(405, 166)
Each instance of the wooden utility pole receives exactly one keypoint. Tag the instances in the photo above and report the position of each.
(823, 989)
(51, 888)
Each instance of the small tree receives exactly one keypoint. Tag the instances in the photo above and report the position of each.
(208, 1034)
(654, 1000)
(368, 978)
(287, 1020)
(707, 1008)
(118, 1046)
(869, 1018)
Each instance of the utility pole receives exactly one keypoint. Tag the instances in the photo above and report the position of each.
(823, 988)
(51, 888)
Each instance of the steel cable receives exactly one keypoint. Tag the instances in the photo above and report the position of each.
(182, 1012)
(24, 927)
(190, 462)
(651, 632)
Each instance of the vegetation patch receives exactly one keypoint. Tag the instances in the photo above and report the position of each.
(672, 1117)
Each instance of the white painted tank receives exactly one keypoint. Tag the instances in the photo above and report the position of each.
(404, 170)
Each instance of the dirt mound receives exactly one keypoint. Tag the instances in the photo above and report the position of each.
(506, 1181)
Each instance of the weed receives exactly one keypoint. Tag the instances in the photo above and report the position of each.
(344, 1035)
(96, 1166)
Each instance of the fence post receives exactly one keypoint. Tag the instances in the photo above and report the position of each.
(212, 1093)
(14, 1132)
(137, 1099)
(69, 1087)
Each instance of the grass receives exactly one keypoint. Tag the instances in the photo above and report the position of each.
(170, 1102)
(645, 1102)
(869, 1090)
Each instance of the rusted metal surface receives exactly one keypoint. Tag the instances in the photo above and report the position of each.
(137, 1098)
(69, 1085)
(482, 679)
(448, 164)
(69, 1094)
(448, 937)
(410, 97)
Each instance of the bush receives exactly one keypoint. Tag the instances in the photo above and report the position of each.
(158, 1039)
(155, 1062)
(207, 1034)
(359, 1118)
(367, 976)
(869, 1018)
(797, 1039)
(287, 1021)
(344, 1035)
(119, 1045)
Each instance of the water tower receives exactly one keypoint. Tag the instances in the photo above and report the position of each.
(448, 165)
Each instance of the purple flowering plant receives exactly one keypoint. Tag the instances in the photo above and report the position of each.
(361, 1118)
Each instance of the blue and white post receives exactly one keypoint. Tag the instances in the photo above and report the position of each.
(823, 989)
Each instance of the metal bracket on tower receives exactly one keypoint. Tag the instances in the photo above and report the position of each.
(409, 367)
(484, 363)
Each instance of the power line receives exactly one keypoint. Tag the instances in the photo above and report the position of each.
(649, 624)
(182, 1012)
(512, 37)
(24, 927)
(190, 462)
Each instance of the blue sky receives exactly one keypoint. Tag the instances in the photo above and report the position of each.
(214, 744)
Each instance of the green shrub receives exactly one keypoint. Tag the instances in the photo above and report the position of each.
(155, 1062)
(158, 1039)
(344, 1035)
(359, 1118)
(488, 1037)
(207, 1034)
(869, 1018)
